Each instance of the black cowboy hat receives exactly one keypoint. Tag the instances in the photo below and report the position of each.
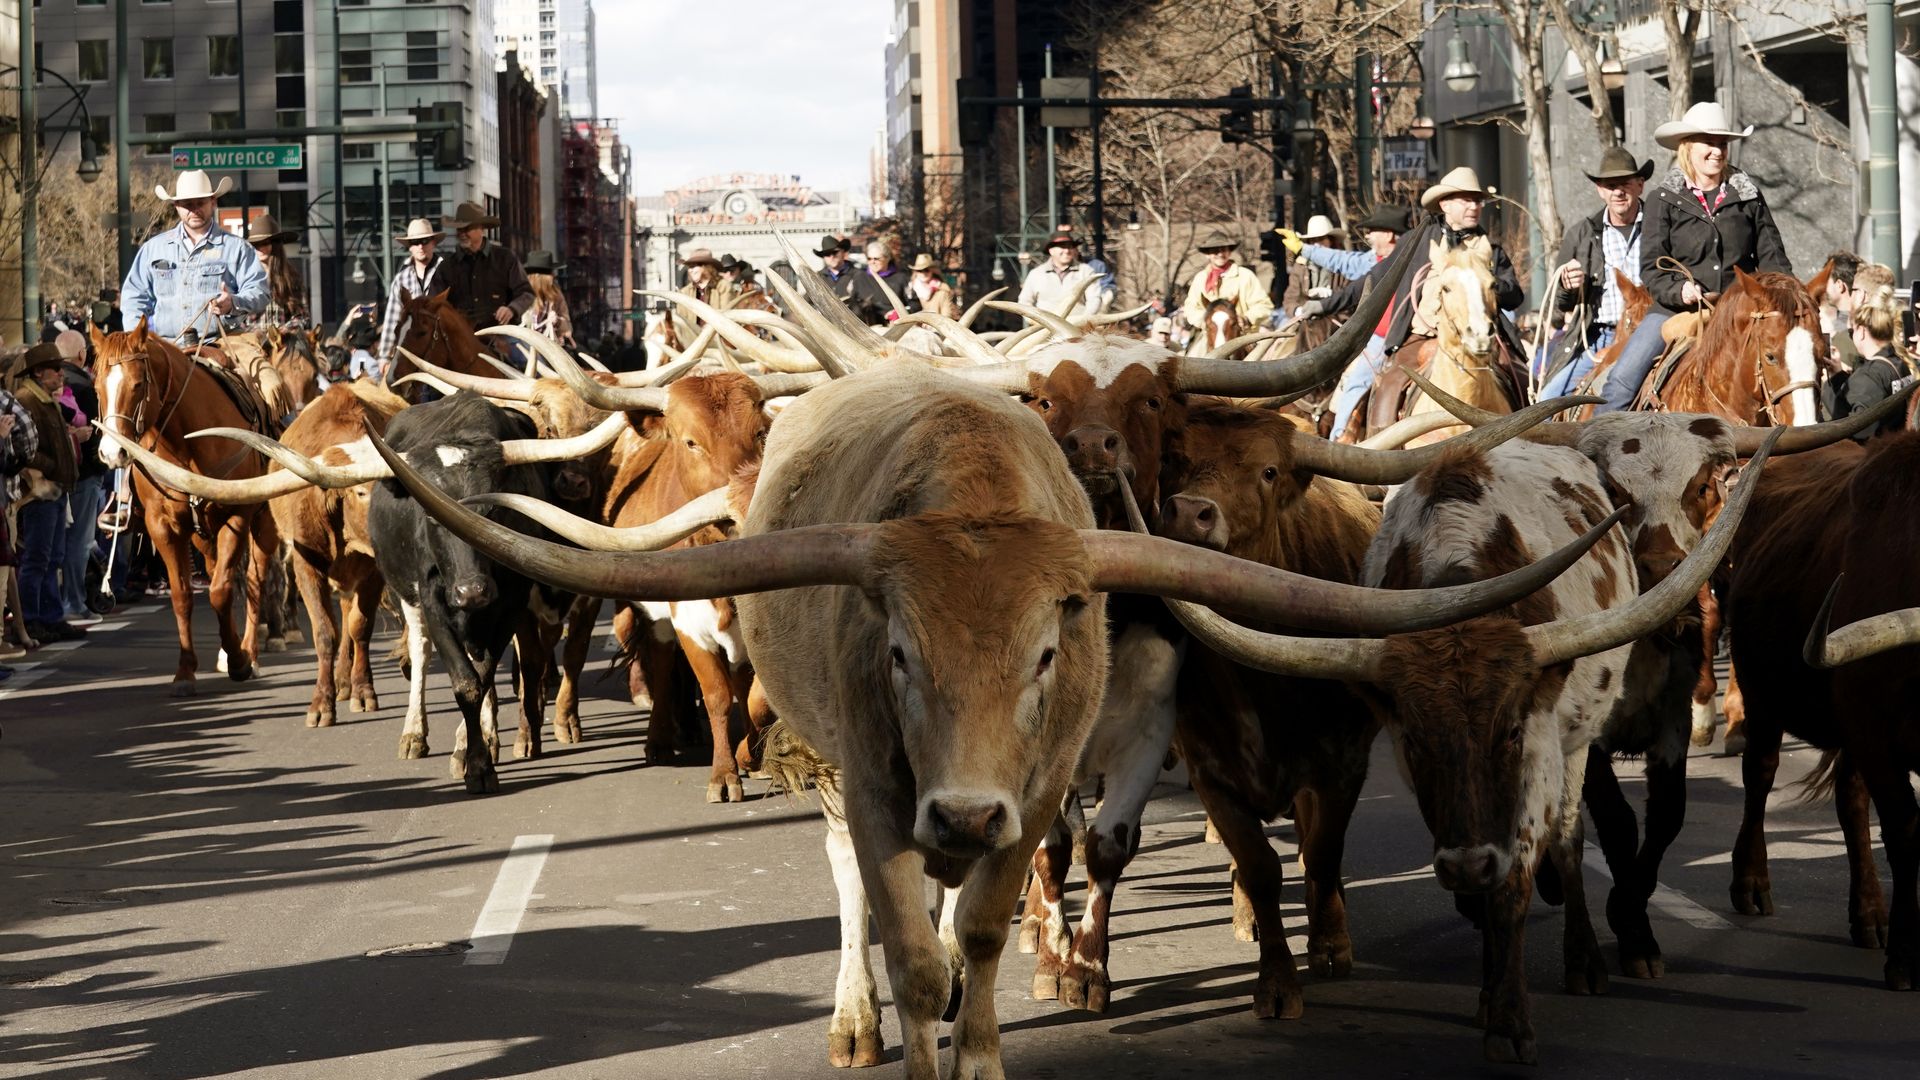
(830, 244)
(728, 262)
(1618, 164)
(541, 262)
(45, 354)
(1385, 218)
(470, 214)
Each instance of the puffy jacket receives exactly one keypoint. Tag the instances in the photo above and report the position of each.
(1740, 233)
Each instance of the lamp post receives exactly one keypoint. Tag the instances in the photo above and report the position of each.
(33, 171)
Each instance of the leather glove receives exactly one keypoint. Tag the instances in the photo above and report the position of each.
(1292, 241)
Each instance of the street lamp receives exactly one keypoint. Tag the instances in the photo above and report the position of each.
(1461, 73)
(1422, 127)
(1613, 73)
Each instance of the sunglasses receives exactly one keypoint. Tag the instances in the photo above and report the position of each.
(420, 243)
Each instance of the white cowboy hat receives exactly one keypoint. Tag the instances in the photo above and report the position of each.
(194, 184)
(1705, 118)
(1461, 181)
(1320, 226)
(420, 229)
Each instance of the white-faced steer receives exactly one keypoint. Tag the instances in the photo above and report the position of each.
(919, 583)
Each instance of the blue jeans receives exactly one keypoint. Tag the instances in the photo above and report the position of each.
(1355, 381)
(84, 500)
(1563, 381)
(1642, 351)
(43, 533)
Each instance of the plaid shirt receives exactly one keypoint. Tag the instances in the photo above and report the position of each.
(410, 279)
(1623, 252)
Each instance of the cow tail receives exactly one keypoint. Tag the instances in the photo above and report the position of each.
(1816, 788)
(796, 766)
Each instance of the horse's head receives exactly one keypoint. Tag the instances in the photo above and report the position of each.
(1222, 323)
(1462, 279)
(1769, 324)
(135, 369)
(436, 331)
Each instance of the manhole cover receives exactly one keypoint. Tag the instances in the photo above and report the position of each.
(421, 948)
(88, 899)
(40, 980)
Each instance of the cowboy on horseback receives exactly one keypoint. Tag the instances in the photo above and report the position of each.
(1589, 296)
(415, 279)
(1222, 279)
(197, 270)
(1703, 221)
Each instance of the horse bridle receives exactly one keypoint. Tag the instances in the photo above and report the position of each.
(133, 425)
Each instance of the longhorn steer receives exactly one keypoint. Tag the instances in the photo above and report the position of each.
(931, 622)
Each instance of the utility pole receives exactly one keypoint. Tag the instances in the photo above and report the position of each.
(240, 70)
(1277, 121)
(339, 174)
(122, 116)
(1883, 138)
(29, 189)
(1099, 202)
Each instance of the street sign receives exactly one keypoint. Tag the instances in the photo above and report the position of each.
(1065, 88)
(1403, 158)
(260, 156)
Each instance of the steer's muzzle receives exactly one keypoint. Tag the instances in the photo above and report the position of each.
(966, 826)
(1093, 450)
(1192, 519)
(1475, 869)
(468, 593)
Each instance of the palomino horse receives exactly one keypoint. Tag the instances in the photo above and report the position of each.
(1460, 358)
(153, 394)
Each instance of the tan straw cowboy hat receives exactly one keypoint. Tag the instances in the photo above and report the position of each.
(1319, 227)
(1705, 118)
(420, 229)
(265, 230)
(922, 261)
(194, 184)
(700, 257)
(1461, 181)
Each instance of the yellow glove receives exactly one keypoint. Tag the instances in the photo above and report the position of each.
(1292, 241)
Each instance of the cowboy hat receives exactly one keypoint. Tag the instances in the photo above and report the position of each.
(194, 184)
(541, 262)
(1618, 164)
(1705, 118)
(1385, 218)
(1461, 181)
(728, 262)
(1062, 238)
(1218, 239)
(420, 229)
(45, 354)
(699, 257)
(1319, 227)
(922, 261)
(470, 215)
(828, 245)
(265, 230)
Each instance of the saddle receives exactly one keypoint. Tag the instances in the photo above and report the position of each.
(239, 389)
(1387, 400)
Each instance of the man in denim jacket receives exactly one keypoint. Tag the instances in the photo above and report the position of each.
(195, 274)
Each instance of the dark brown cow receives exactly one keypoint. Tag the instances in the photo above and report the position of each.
(1852, 510)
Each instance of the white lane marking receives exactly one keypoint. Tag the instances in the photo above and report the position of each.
(22, 679)
(117, 624)
(1665, 900)
(500, 916)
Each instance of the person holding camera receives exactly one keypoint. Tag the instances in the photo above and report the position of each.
(1883, 364)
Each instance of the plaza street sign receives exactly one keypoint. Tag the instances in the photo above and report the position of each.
(260, 156)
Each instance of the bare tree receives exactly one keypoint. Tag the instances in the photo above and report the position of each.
(1584, 44)
(1682, 19)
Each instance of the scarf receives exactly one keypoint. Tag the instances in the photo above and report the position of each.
(1720, 196)
(1456, 237)
(1214, 274)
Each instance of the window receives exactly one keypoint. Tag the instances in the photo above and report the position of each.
(100, 130)
(89, 3)
(157, 122)
(358, 152)
(93, 61)
(288, 16)
(156, 58)
(423, 55)
(289, 54)
(356, 58)
(223, 56)
(223, 121)
(290, 118)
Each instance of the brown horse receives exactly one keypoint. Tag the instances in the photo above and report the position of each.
(1220, 325)
(153, 394)
(439, 334)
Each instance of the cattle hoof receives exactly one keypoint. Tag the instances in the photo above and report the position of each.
(292, 637)
(1086, 990)
(1752, 896)
(319, 718)
(1644, 964)
(1213, 834)
(567, 731)
(1703, 719)
(364, 701)
(413, 747)
(1046, 986)
(482, 781)
(1245, 929)
(715, 792)
(1275, 1000)
(1330, 959)
(1509, 1049)
(1870, 930)
(859, 1049)
(243, 671)
(182, 688)
(1586, 975)
(276, 644)
(1735, 744)
(524, 748)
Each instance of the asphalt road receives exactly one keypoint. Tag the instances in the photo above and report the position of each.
(192, 889)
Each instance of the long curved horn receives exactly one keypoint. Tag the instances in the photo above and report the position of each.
(592, 391)
(973, 310)
(514, 389)
(737, 335)
(293, 461)
(892, 297)
(1362, 466)
(1237, 378)
(708, 509)
(1109, 318)
(586, 444)
(424, 379)
(1232, 345)
(1875, 634)
(1072, 299)
(1128, 562)
(790, 558)
(512, 372)
(255, 489)
(593, 362)
(954, 334)
(1057, 324)
(1814, 436)
(1406, 429)
(1568, 639)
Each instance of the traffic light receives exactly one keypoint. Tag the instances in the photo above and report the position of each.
(1236, 124)
(976, 121)
(450, 147)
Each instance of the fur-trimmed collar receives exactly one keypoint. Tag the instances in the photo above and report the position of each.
(1739, 184)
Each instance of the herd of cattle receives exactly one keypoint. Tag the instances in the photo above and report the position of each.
(954, 586)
